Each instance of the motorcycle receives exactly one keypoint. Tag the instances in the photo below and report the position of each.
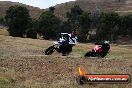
(100, 50)
(63, 45)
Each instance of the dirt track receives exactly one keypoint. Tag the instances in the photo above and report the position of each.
(18, 68)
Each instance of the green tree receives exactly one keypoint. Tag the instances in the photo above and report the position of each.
(49, 25)
(18, 20)
(65, 27)
(32, 31)
(125, 25)
(2, 21)
(85, 23)
(73, 17)
(108, 26)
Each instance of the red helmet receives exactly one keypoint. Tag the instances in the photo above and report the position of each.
(74, 33)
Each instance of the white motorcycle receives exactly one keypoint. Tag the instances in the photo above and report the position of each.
(63, 45)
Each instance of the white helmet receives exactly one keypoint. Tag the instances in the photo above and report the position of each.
(106, 42)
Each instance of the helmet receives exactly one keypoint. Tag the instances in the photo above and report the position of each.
(74, 33)
(106, 42)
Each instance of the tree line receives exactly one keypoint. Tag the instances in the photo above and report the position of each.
(92, 26)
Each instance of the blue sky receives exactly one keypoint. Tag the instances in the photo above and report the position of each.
(40, 3)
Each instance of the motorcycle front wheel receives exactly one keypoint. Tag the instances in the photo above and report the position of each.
(50, 50)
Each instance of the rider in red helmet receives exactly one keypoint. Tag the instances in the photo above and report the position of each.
(73, 34)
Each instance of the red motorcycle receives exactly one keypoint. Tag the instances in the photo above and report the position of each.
(100, 50)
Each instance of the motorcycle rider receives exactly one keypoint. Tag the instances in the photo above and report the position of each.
(69, 41)
(97, 48)
(64, 44)
(101, 49)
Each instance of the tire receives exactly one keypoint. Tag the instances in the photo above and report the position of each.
(92, 54)
(64, 50)
(89, 54)
(68, 49)
(50, 50)
(103, 54)
(58, 50)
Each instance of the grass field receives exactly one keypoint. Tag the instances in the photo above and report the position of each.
(24, 65)
(3, 32)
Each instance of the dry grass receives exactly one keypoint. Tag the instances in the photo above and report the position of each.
(4, 32)
(20, 70)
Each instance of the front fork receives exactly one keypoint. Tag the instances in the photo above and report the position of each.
(57, 48)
